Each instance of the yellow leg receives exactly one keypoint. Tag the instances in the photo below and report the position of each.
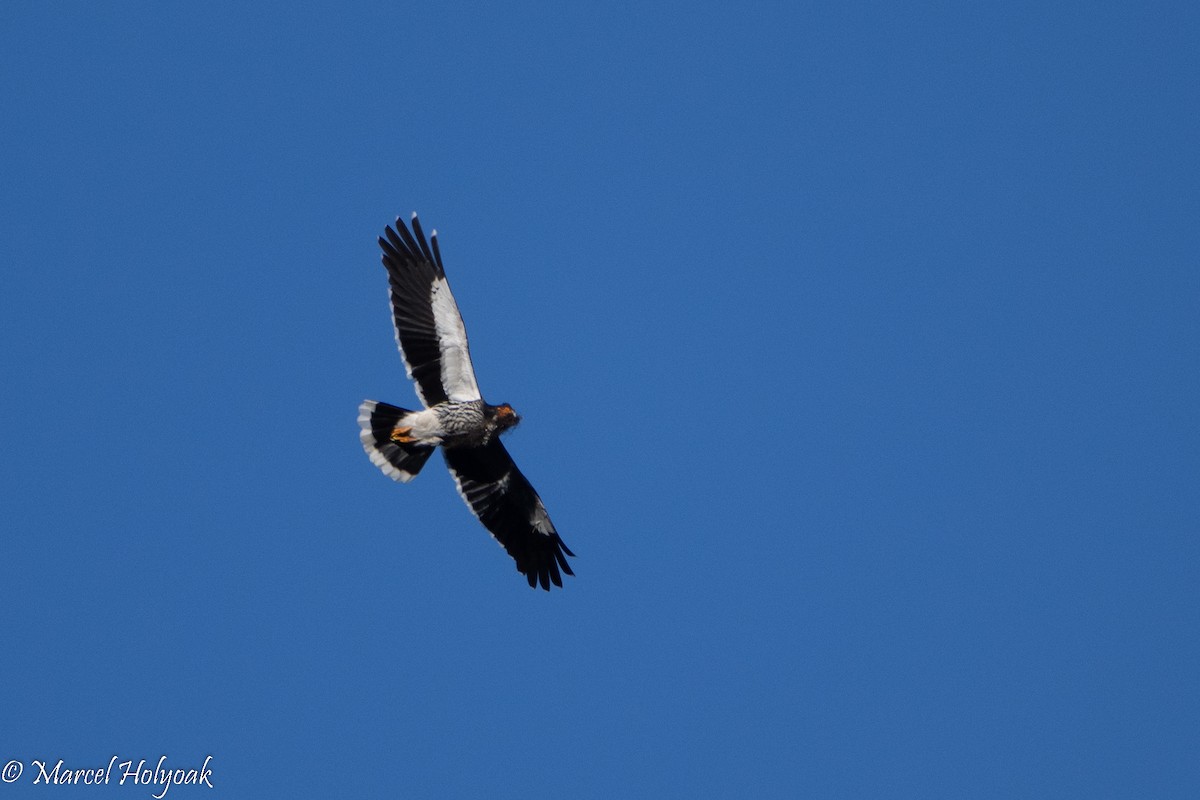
(402, 435)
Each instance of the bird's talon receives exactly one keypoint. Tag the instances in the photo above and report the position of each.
(402, 435)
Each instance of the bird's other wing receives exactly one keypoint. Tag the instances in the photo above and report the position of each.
(507, 505)
(429, 328)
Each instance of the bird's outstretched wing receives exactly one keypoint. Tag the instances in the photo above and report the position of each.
(507, 505)
(429, 328)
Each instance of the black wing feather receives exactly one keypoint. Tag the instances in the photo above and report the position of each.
(411, 274)
(507, 505)
(420, 237)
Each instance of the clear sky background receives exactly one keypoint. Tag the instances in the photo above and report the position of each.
(857, 347)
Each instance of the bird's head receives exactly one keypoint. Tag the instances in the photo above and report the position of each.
(505, 416)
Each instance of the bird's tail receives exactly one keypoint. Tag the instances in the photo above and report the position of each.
(383, 437)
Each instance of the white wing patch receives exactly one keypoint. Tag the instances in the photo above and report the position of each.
(541, 520)
(458, 375)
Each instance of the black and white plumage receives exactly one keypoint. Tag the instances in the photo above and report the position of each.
(433, 344)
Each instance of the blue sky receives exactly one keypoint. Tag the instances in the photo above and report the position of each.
(857, 349)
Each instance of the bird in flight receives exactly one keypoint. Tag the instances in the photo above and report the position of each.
(433, 344)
